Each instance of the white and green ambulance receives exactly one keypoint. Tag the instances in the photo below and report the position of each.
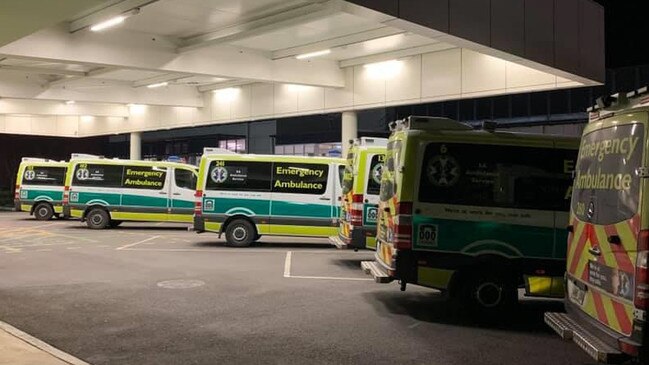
(477, 213)
(39, 187)
(105, 192)
(246, 196)
(360, 196)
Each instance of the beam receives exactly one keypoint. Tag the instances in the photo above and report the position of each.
(337, 42)
(107, 13)
(159, 79)
(122, 48)
(42, 70)
(95, 72)
(386, 56)
(223, 85)
(289, 18)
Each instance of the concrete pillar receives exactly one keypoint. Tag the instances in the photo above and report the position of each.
(349, 129)
(136, 146)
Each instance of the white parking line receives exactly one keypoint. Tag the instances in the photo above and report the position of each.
(41, 345)
(137, 243)
(287, 264)
(287, 272)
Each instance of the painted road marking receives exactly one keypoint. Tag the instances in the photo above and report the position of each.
(287, 272)
(41, 345)
(137, 243)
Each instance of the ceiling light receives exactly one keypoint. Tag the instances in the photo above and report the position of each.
(70, 102)
(313, 54)
(159, 84)
(383, 70)
(228, 94)
(114, 20)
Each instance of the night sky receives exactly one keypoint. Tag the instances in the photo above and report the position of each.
(627, 36)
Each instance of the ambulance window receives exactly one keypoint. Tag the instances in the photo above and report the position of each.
(374, 174)
(606, 188)
(341, 174)
(496, 176)
(347, 177)
(44, 175)
(108, 176)
(300, 178)
(239, 175)
(185, 179)
(389, 180)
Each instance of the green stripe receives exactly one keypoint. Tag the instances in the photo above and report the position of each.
(507, 239)
(36, 194)
(262, 207)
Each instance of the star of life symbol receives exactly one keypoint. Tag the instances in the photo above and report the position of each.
(443, 170)
(219, 175)
(376, 173)
(30, 174)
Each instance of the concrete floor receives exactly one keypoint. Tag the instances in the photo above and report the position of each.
(157, 294)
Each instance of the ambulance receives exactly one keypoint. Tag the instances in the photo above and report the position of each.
(39, 187)
(607, 291)
(360, 194)
(247, 196)
(105, 192)
(474, 213)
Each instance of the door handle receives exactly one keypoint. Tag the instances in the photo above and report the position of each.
(595, 251)
(614, 239)
(176, 193)
(162, 193)
(324, 198)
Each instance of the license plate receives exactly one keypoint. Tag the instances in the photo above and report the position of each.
(575, 293)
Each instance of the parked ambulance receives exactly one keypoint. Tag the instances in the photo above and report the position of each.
(476, 213)
(39, 187)
(360, 194)
(246, 196)
(105, 192)
(607, 295)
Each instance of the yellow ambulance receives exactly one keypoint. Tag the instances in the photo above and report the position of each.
(475, 213)
(247, 196)
(39, 187)
(105, 192)
(607, 291)
(360, 194)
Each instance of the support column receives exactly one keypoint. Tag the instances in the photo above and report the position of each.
(349, 129)
(136, 146)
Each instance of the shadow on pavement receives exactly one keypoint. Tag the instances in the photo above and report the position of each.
(434, 307)
(351, 264)
(133, 228)
(264, 245)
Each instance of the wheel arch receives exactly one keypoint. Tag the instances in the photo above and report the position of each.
(95, 206)
(235, 217)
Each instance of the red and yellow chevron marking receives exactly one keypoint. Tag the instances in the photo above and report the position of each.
(613, 311)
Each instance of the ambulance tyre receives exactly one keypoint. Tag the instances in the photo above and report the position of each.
(43, 212)
(97, 218)
(240, 233)
(488, 292)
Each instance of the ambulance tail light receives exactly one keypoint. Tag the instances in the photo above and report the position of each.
(66, 195)
(641, 300)
(198, 203)
(356, 213)
(17, 192)
(403, 226)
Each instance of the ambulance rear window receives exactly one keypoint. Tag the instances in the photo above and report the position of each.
(44, 175)
(606, 188)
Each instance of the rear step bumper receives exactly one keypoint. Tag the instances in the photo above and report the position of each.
(570, 330)
(336, 241)
(378, 273)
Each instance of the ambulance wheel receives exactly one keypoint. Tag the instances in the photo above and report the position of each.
(43, 212)
(489, 292)
(97, 218)
(114, 223)
(240, 233)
